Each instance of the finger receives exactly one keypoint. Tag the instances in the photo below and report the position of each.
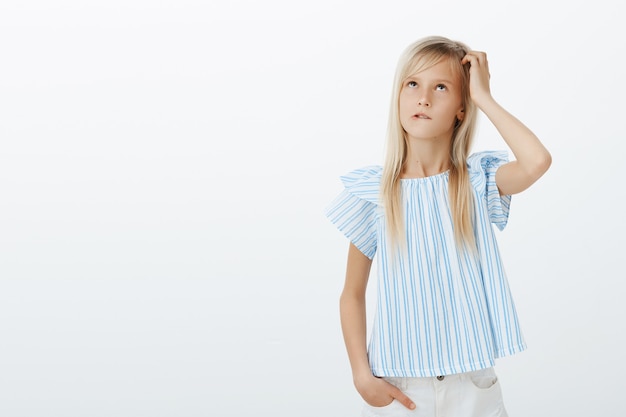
(403, 399)
(469, 58)
(475, 57)
(478, 54)
(482, 58)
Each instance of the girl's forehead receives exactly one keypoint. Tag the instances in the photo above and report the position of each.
(443, 67)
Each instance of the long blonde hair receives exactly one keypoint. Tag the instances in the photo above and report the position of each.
(418, 56)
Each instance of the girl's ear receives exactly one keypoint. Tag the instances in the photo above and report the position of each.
(459, 118)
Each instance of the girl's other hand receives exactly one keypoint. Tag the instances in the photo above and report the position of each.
(479, 76)
(379, 393)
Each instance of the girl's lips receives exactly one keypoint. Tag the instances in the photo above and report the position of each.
(421, 116)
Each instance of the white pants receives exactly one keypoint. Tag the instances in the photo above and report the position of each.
(470, 394)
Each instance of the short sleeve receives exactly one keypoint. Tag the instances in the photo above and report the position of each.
(482, 168)
(355, 210)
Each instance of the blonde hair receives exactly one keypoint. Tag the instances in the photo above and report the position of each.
(417, 57)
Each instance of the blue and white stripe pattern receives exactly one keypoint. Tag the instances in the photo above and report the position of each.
(439, 310)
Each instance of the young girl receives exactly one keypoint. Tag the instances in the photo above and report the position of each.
(444, 309)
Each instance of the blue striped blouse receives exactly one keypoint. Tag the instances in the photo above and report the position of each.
(439, 310)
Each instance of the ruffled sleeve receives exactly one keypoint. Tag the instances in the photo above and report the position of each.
(482, 168)
(355, 210)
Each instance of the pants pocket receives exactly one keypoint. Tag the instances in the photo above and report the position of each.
(484, 395)
(483, 378)
(392, 409)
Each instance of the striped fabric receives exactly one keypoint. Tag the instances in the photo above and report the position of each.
(439, 310)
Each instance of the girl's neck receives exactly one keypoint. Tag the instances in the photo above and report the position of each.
(425, 159)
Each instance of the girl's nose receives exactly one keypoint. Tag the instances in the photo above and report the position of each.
(424, 101)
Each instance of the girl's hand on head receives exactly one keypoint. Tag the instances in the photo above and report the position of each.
(479, 76)
(379, 393)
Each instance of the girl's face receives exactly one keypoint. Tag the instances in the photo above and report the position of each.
(430, 103)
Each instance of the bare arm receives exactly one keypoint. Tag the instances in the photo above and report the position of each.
(375, 391)
(532, 159)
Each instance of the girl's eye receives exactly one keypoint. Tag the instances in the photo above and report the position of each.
(441, 87)
(411, 84)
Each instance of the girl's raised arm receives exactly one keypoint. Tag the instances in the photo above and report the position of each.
(532, 159)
